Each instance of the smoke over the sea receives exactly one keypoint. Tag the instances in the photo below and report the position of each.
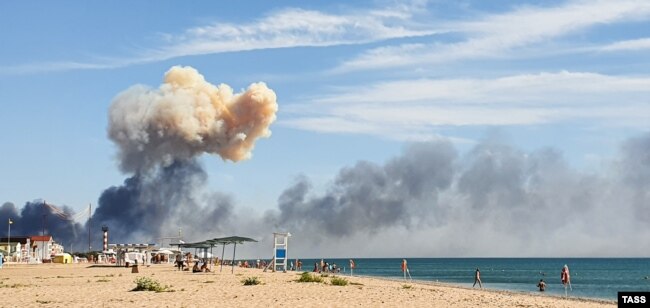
(495, 200)
(431, 200)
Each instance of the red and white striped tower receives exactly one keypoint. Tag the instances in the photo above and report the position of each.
(105, 229)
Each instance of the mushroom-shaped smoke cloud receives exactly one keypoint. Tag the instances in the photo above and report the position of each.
(187, 116)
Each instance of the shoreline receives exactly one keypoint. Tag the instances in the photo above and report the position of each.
(515, 292)
(80, 285)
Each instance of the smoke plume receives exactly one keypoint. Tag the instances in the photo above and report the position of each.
(34, 216)
(186, 117)
(495, 200)
(368, 197)
(159, 134)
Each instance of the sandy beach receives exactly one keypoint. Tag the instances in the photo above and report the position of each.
(79, 285)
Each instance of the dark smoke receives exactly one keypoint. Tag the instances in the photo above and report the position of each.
(495, 200)
(369, 197)
(155, 204)
(30, 222)
(159, 134)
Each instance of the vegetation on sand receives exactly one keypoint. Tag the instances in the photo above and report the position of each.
(339, 281)
(251, 281)
(308, 277)
(148, 284)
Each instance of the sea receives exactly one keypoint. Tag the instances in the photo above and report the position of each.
(598, 278)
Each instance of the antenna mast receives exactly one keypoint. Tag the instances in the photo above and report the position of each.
(90, 209)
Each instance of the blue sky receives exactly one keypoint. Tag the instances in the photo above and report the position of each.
(354, 81)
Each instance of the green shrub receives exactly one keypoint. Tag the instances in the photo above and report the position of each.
(308, 277)
(251, 281)
(148, 284)
(338, 281)
(406, 286)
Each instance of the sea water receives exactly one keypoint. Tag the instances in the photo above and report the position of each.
(599, 278)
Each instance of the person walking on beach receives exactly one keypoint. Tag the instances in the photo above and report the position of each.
(477, 278)
(352, 265)
(179, 262)
(541, 285)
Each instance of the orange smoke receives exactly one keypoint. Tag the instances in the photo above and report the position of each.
(187, 116)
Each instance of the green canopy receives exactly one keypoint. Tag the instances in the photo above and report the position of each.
(234, 240)
(203, 244)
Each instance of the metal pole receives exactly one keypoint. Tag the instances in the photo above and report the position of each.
(43, 239)
(90, 210)
(233, 258)
(211, 257)
(8, 240)
(222, 252)
(44, 204)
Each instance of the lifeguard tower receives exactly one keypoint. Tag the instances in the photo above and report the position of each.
(280, 249)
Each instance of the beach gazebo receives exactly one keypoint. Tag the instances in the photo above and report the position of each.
(231, 240)
(219, 241)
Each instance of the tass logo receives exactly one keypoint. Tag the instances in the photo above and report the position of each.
(633, 299)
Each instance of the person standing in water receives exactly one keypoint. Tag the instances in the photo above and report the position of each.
(477, 278)
(541, 285)
(566, 280)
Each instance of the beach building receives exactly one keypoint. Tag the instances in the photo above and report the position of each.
(31, 249)
(129, 253)
(57, 248)
(64, 258)
(17, 246)
(41, 247)
(164, 255)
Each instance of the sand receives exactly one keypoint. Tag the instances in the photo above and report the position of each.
(78, 285)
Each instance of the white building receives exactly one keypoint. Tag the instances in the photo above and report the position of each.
(42, 247)
(15, 248)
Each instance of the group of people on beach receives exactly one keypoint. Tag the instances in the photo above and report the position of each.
(326, 267)
(183, 262)
(565, 277)
(200, 269)
(296, 266)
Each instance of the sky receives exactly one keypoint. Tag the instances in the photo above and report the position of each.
(487, 97)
